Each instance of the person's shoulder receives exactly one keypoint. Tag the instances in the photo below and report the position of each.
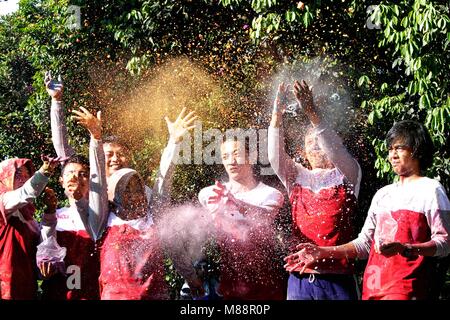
(265, 191)
(387, 189)
(262, 187)
(432, 188)
(431, 183)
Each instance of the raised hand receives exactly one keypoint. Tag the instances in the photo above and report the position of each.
(54, 88)
(304, 96)
(89, 121)
(181, 125)
(49, 164)
(280, 102)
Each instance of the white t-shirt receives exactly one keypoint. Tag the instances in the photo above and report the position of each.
(261, 196)
(424, 196)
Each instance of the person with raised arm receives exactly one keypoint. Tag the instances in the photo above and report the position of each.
(131, 257)
(117, 153)
(323, 199)
(77, 227)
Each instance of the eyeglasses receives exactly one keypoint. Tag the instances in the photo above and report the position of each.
(78, 174)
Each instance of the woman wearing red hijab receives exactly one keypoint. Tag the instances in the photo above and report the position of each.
(19, 232)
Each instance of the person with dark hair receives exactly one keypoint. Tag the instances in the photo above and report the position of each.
(116, 154)
(408, 223)
(416, 137)
(323, 199)
(244, 210)
(76, 227)
(19, 231)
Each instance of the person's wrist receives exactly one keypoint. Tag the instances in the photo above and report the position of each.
(276, 120)
(175, 140)
(408, 251)
(45, 170)
(313, 117)
(96, 135)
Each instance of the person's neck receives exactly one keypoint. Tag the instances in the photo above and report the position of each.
(72, 200)
(408, 178)
(243, 184)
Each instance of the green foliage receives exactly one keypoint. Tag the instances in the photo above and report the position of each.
(402, 68)
(397, 71)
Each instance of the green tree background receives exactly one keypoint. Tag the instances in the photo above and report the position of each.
(139, 60)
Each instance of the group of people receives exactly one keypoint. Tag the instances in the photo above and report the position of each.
(110, 229)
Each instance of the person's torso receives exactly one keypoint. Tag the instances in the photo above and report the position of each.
(82, 260)
(132, 263)
(401, 216)
(323, 208)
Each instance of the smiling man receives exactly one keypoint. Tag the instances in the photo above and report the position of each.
(73, 231)
(117, 153)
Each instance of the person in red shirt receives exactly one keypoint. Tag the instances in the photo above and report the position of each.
(131, 257)
(19, 232)
(323, 199)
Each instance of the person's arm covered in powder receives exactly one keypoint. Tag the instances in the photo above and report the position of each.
(58, 127)
(284, 167)
(98, 209)
(328, 140)
(161, 191)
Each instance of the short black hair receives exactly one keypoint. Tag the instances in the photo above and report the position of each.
(414, 135)
(115, 140)
(76, 158)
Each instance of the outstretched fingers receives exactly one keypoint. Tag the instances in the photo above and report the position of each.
(190, 121)
(47, 78)
(86, 111)
(84, 114)
(181, 115)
